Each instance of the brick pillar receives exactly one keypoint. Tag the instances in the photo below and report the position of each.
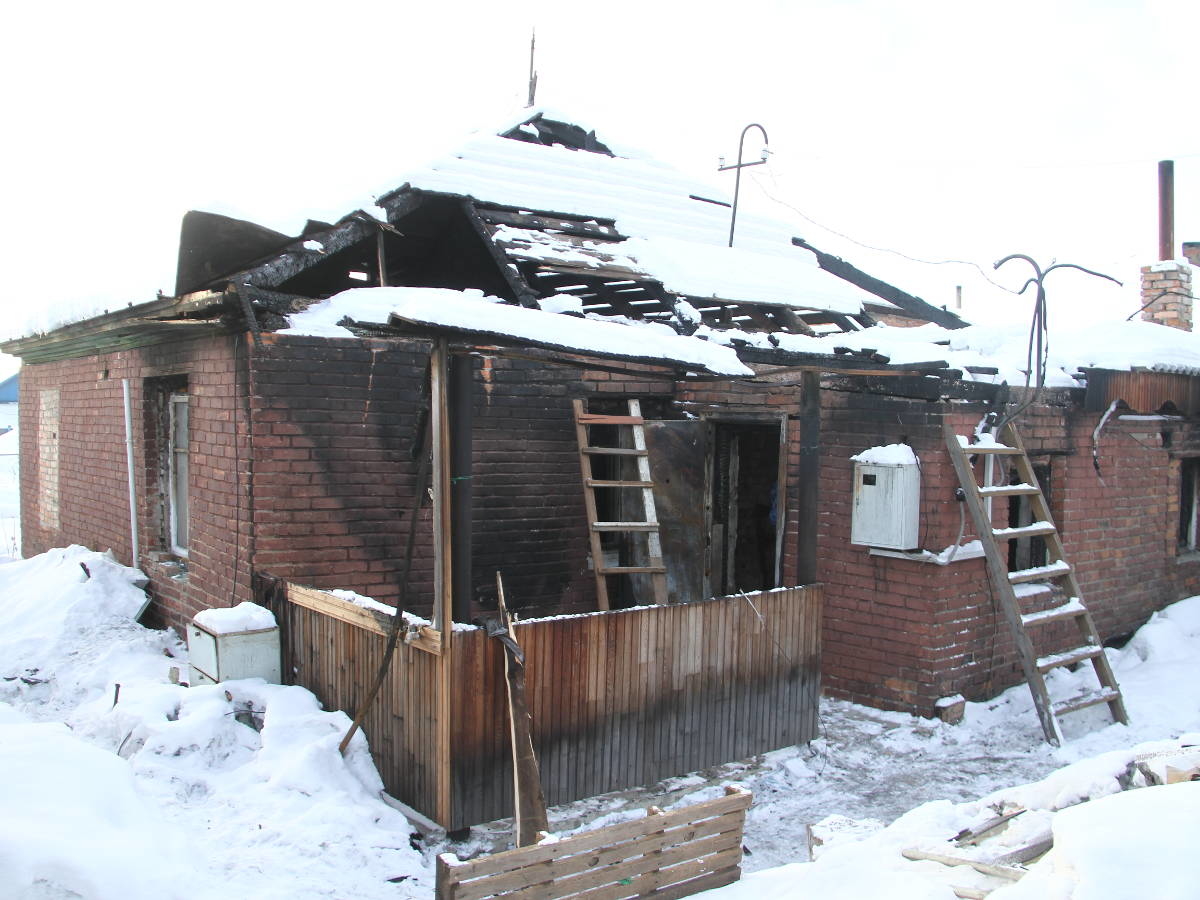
(1167, 288)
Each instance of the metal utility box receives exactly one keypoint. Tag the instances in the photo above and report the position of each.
(235, 654)
(887, 505)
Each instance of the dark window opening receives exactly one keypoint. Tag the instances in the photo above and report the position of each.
(1027, 552)
(1189, 482)
(168, 440)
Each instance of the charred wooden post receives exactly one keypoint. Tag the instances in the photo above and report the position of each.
(808, 476)
(529, 814)
(443, 616)
(461, 383)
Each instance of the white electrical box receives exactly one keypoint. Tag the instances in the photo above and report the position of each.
(887, 500)
(224, 656)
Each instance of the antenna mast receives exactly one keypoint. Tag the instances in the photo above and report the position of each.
(532, 73)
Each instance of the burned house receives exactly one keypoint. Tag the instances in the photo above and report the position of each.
(538, 358)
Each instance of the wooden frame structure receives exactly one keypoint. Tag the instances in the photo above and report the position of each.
(664, 855)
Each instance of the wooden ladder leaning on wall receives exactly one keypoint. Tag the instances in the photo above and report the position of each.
(588, 451)
(1033, 584)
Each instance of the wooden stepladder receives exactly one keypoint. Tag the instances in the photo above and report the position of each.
(1053, 581)
(588, 452)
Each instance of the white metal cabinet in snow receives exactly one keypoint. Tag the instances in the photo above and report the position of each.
(236, 654)
(887, 505)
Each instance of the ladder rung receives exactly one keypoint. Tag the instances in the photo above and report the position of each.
(598, 419)
(1041, 573)
(1034, 530)
(1008, 490)
(624, 526)
(1083, 701)
(1069, 610)
(612, 451)
(632, 570)
(1032, 589)
(600, 483)
(1068, 657)
(997, 449)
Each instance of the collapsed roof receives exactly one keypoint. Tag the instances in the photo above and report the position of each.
(540, 214)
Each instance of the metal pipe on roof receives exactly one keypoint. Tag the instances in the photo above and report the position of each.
(738, 166)
(1166, 209)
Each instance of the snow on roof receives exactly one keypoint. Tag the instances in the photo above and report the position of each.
(675, 238)
(476, 312)
(1122, 346)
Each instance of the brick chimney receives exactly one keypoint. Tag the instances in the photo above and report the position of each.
(1167, 292)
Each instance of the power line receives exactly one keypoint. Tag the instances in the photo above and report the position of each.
(928, 262)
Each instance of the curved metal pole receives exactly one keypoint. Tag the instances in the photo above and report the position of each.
(737, 184)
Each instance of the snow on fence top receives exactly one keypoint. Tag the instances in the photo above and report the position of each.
(473, 311)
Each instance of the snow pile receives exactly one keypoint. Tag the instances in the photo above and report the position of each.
(239, 789)
(151, 789)
(1135, 844)
(73, 822)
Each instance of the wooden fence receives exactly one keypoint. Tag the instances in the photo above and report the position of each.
(618, 699)
(664, 855)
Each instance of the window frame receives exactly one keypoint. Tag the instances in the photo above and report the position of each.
(1189, 505)
(178, 468)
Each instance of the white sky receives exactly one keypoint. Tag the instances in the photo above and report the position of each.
(946, 130)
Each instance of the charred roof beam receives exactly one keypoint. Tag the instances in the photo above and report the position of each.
(907, 302)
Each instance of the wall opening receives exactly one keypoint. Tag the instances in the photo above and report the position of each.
(745, 503)
(167, 428)
(1027, 552)
(1189, 483)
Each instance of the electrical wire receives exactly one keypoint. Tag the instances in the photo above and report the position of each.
(928, 262)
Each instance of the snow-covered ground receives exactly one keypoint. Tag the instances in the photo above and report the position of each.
(117, 783)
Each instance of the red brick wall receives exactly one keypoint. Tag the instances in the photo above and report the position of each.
(92, 471)
(333, 485)
(900, 634)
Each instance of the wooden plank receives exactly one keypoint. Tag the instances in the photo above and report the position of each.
(644, 873)
(1012, 873)
(678, 820)
(336, 608)
(678, 881)
(721, 833)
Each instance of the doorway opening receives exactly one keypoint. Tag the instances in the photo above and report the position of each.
(746, 506)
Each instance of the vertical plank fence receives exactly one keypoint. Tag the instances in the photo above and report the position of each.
(618, 699)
